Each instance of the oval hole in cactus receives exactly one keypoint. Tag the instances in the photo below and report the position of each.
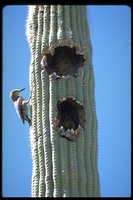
(71, 118)
(65, 62)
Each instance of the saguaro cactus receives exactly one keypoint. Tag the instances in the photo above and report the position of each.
(63, 134)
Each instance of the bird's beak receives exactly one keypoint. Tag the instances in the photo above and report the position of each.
(22, 89)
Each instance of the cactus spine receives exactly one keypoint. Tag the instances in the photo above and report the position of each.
(63, 134)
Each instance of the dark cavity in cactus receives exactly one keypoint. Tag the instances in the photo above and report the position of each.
(70, 119)
(64, 62)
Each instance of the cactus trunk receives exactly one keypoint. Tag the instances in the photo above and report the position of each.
(63, 134)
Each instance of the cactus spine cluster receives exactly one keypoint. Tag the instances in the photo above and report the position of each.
(63, 134)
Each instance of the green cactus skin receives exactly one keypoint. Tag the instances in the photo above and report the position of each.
(62, 168)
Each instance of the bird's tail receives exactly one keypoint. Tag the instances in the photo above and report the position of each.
(28, 119)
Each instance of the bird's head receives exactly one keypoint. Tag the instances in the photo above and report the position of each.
(15, 93)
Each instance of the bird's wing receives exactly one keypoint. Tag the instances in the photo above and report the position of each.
(19, 108)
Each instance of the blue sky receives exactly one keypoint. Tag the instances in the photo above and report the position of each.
(110, 29)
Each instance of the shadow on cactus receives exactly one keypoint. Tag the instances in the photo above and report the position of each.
(71, 118)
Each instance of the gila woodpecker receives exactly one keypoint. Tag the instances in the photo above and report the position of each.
(20, 105)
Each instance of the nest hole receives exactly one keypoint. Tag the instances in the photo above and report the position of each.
(65, 61)
(71, 114)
